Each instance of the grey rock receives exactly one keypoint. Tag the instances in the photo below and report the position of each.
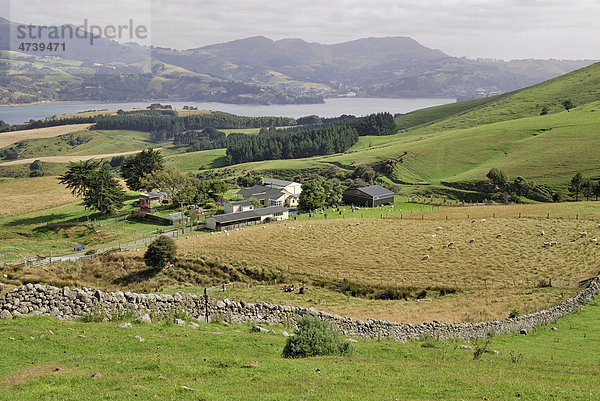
(523, 332)
(125, 325)
(466, 347)
(5, 315)
(193, 325)
(259, 329)
(145, 318)
(554, 328)
(179, 322)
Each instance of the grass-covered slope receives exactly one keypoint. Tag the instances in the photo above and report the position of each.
(47, 359)
(581, 87)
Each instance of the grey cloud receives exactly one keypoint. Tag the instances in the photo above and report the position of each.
(473, 28)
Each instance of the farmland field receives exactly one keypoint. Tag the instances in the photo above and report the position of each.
(24, 195)
(492, 275)
(8, 138)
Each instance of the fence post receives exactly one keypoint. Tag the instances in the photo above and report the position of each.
(206, 304)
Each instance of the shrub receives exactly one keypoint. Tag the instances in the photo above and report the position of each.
(315, 337)
(160, 252)
(513, 313)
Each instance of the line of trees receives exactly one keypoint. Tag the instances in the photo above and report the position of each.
(169, 125)
(292, 144)
(586, 187)
(374, 124)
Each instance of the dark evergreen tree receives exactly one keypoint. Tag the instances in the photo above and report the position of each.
(138, 165)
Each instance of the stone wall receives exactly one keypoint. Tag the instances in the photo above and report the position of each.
(65, 303)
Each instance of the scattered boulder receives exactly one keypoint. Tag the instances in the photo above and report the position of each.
(251, 364)
(179, 322)
(186, 388)
(193, 325)
(145, 318)
(284, 333)
(96, 376)
(554, 329)
(259, 329)
(125, 325)
(5, 315)
(523, 332)
(466, 347)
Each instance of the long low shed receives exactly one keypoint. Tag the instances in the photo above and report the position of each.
(250, 217)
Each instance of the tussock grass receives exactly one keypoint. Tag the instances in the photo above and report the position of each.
(494, 275)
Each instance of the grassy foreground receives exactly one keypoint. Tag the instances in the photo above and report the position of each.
(47, 359)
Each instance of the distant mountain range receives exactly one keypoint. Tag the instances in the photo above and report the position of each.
(258, 70)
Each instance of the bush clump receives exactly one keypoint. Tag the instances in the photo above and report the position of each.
(160, 252)
(315, 337)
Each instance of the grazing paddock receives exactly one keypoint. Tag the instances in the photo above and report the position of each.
(569, 210)
(494, 274)
(22, 196)
(8, 138)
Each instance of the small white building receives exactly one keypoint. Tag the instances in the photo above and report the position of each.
(248, 218)
(291, 187)
(238, 206)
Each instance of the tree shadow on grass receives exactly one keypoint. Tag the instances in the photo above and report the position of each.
(137, 277)
(49, 218)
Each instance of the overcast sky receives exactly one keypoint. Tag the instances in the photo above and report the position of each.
(507, 29)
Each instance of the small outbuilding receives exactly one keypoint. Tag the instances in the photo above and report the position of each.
(238, 206)
(372, 196)
(154, 198)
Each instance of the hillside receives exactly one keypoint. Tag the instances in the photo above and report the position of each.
(259, 70)
(581, 87)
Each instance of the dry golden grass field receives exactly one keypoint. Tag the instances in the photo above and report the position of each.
(497, 265)
(8, 138)
(95, 113)
(68, 158)
(20, 196)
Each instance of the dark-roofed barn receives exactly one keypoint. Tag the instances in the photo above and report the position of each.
(372, 196)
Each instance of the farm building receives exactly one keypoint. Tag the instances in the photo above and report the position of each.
(268, 196)
(152, 199)
(372, 196)
(292, 187)
(251, 217)
(238, 206)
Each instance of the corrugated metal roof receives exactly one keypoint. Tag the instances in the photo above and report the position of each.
(262, 192)
(276, 181)
(376, 190)
(241, 202)
(230, 217)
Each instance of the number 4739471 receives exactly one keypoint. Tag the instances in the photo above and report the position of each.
(42, 47)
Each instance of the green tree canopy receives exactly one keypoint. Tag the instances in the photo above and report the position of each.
(313, 194)
(498, 177)
(77, 176)
(136, 166)
(568, 105)
(103, 193)
(180, 187)
(160, 252)
(576, 185)
(98, 187)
